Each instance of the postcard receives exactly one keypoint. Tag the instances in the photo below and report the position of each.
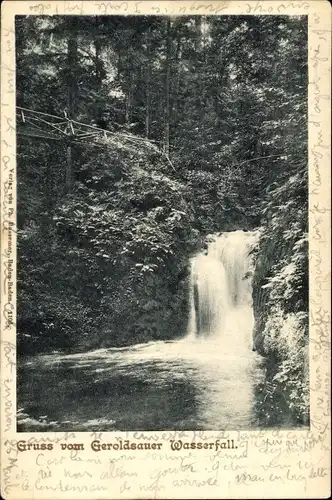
(165, 255)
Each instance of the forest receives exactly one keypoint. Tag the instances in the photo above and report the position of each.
(215, 112)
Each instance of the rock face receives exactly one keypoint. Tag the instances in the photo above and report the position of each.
(280, 295)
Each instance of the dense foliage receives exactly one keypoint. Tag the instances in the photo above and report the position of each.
(281, 297)
(110, 265)
(103, 256)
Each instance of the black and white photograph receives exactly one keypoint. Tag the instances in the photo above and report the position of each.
(162, 222)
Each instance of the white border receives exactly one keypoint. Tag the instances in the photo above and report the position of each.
(267, 464)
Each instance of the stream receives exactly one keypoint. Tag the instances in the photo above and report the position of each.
(209, 379)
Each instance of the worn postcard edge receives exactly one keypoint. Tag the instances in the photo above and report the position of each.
(268, 464)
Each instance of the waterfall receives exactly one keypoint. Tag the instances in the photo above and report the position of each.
(220, 291)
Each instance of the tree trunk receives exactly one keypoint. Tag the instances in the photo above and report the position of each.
(97, 45)
(175, 103)
(129, 95)
(98, 110)
(198, 65)
(118, 74)
(148, 85)
(204, 63)
(69, 168)
(72, 56)
(72, 51)
(167, 87)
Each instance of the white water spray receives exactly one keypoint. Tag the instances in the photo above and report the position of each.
(213, 371)
(220, 296)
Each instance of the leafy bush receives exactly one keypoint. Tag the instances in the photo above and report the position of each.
(111, 266)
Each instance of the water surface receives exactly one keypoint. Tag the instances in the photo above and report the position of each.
(185, 384)
(209, 380)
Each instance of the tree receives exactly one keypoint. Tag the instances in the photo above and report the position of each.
(148, 83)
(224, 98)
(167, 85)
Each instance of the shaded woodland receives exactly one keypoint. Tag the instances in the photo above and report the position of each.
(103, 256)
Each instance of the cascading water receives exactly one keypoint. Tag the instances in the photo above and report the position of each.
(221, 303)
(206, 380)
